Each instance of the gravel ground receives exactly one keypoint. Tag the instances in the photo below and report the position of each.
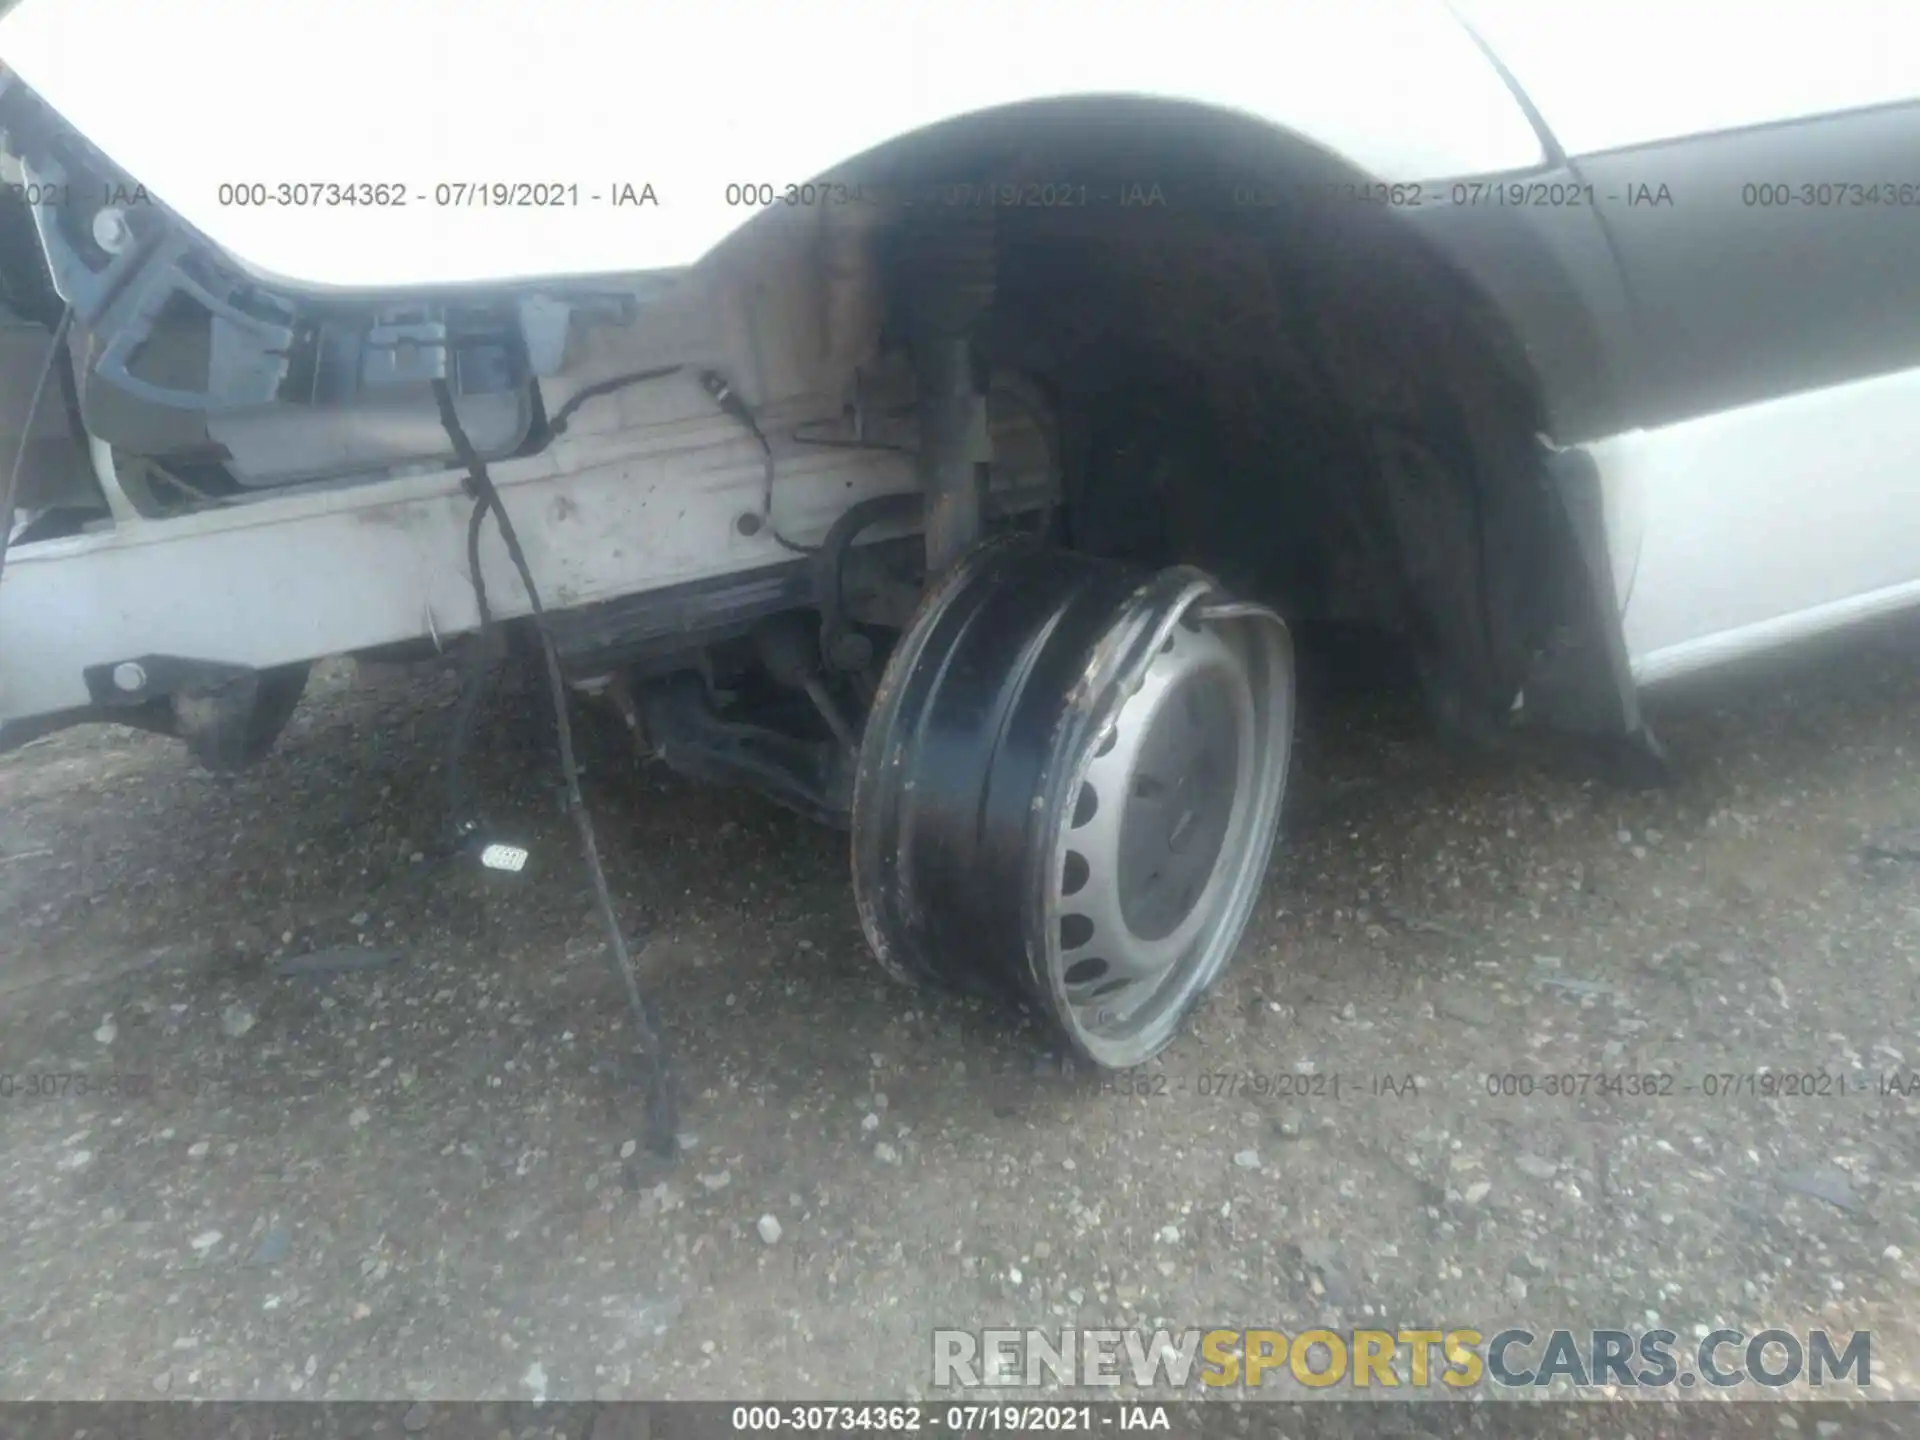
(425, 1178)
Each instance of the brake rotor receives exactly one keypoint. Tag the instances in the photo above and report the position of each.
(1069, 787)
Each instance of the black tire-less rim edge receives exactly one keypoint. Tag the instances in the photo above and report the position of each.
(1018, 665)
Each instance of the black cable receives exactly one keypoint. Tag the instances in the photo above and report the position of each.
(557, 422)
(766, 504)
(473, 683)
(661, 1118)
(728, 399)
(465, 820)
(12, 490)
(476, 576)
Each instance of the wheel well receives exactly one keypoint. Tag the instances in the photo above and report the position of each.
(1349, 426)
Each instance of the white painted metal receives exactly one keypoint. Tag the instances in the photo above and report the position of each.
(325, 572)
(1754, 527)
(1611, 74)
(1778, 633)
(690, 98)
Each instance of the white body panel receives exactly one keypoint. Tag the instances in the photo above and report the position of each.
(1612, 74)
(688, 98)
(1753, 527)
(642, 507)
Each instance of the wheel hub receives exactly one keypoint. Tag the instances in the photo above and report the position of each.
(1069, 788)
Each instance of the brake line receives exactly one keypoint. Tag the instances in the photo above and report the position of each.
(661, 1109)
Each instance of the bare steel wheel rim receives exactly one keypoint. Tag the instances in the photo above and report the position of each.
(1070, 760)
(1160, 857)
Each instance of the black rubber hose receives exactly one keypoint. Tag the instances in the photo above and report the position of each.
(829, 562)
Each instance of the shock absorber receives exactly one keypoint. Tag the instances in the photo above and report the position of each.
(948, 272)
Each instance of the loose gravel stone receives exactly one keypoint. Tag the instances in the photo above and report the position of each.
(485, 1208)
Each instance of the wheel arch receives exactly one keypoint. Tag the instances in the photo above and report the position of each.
(1543, 273)
(1518, 308)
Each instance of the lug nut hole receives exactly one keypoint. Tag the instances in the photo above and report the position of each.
(1086, 806)
(1085, 972)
